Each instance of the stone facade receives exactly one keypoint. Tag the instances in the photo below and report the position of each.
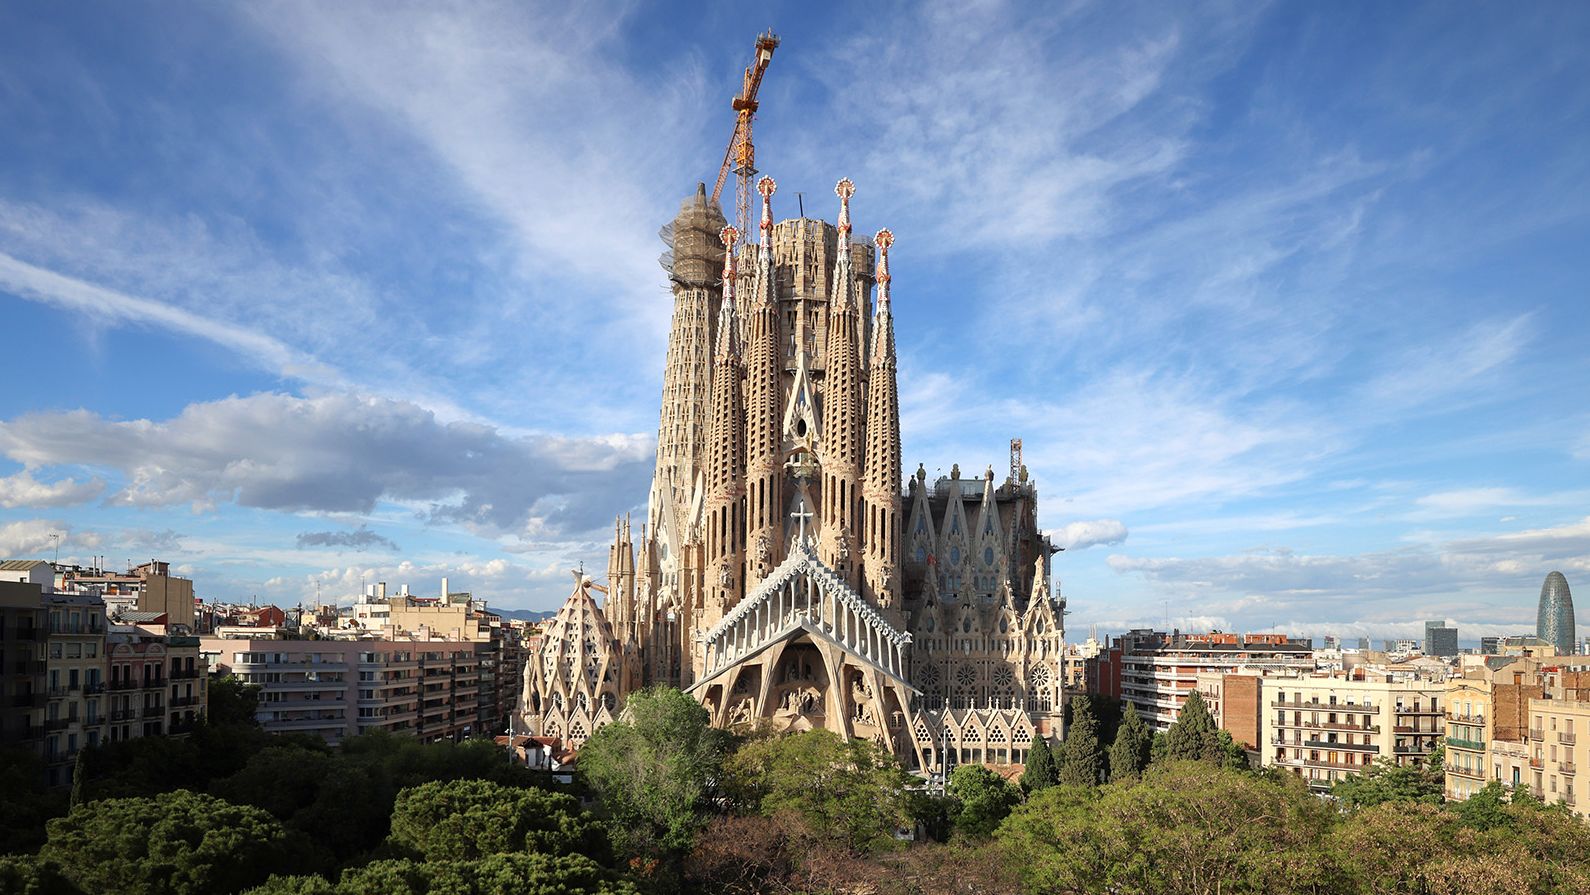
(788, 573)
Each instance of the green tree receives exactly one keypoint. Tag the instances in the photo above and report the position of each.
(1385, 781)
(282, 778)
(656, 770)
(1081, 759)
(1184, 829)
(295, 885)
(1040, 771)
(79, 778)
(1486, 809)
(982, 799)
(231, 703)
(28, 802)
(27, 875)
(851, 791)
(182, 843)
(1129, 752)
(1193, 737)
(1229, 753)
(467, 819)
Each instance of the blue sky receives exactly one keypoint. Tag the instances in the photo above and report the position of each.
(1287, 302)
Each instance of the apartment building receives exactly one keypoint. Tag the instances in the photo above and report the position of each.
(75, 714)
(157, 684)
(149, 587)
(1156, 671)
(449, 616)
(1325, 727)
(1559, 745)
(24, 632)
(1469, 716)
(339, 688)
(73, 680)
(1522, 721)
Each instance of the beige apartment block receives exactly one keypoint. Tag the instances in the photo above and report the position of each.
(1468, 733)
(334, 689)
(75, 715)
(1324, 729)
(1559, 746)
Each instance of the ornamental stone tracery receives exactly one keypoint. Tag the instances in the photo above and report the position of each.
(788, 572)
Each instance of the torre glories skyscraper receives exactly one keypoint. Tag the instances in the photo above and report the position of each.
(1554, 619)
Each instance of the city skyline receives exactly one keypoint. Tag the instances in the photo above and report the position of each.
(1284, 306)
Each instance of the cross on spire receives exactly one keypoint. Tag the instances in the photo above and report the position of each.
(800, 515)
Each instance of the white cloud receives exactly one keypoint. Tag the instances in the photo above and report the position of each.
(1082, 535)
(23, 490)
(1491, 579)
(41, 538)
(500, 582)
(344, 453)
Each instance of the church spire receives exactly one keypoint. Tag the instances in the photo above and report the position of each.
(764, 506)
(726, 459)
(842, 408)
(883, 447)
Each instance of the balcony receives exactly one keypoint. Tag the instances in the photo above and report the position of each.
(123, 715)
(1466, 719)
(1471, 745)
(1537, 763)
(1566, 767)
(93, 688)
(121, 685)
(1566, 738)
(31, 666)
(1420, 710)
(184, 674)
(58, 692)
(1470, 773)
(1332, 725)
(1341, 765)
(1409, 730)
(184, 701)
(1537, 734)
(1349, 747)
(57, 723)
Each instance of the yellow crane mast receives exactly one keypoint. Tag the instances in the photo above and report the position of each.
(741, 154)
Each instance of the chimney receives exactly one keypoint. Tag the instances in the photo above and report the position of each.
(444, 588)
(380, 589)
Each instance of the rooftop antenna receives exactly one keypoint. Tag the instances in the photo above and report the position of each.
(56, 537)
(802, 204)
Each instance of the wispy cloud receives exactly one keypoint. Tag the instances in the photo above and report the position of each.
(110, 306)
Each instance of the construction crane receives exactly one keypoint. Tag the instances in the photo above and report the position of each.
(741, 154)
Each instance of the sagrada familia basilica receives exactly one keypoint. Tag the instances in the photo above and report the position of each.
(788, 572)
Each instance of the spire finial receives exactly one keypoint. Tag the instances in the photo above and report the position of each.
(730, 236)
(767, 188)
(884, 240)
(844, 189)
(728, 344)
